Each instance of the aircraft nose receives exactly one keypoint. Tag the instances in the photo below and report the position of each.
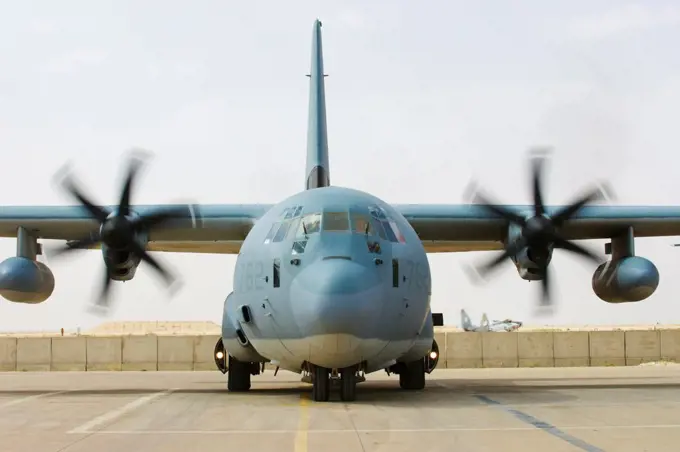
(337, 296)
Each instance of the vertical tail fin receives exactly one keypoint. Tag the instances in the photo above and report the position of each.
(465, 321)
(484, 326)
(317, 171)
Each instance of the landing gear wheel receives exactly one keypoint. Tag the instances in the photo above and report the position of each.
(412, 376)
(321, 384)
(238, 375)
(348, 384)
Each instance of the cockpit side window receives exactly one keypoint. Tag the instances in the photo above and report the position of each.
(388, 231)
(299, 247)
(281, 233)
(272, 231)
(377, 225)
(335, 221)
(294, 226)
(387, 228)
(397, 233)
(291, 212)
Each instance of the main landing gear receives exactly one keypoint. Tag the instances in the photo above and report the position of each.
(238, 376)
(411, 374)
(323, 378)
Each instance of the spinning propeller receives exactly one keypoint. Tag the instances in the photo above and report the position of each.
(122, 230)
(540, 232)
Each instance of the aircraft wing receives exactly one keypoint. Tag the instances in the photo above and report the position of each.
(211, 229)
(463, 227)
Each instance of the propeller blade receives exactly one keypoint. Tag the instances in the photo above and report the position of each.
(480, 199)
(510, 251)
(572, 247)
(104, 300)
(133, 168)
(141, 252)
(545, 299)
(537, 172)
(567, 212)
(96, 211)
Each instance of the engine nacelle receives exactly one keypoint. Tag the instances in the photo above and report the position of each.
(527, 260)
(627, 280)
(121, 264)
(24, 280)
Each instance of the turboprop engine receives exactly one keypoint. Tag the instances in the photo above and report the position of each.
(123, 233)
(626, 280)
(532, 236)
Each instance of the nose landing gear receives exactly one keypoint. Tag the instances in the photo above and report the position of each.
(324, 379)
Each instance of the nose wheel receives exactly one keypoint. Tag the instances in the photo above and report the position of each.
(323, 379)
(348, 384)
(321, 384)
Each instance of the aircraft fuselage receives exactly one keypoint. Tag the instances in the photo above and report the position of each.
(332, 277)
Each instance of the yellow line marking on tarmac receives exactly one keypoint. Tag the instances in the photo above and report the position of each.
(301, 435)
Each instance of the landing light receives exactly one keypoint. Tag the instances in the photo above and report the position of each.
(220, 355)
(433, 355)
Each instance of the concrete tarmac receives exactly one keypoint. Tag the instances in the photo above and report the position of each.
(556, 409)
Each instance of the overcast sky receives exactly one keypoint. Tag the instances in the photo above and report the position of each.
(422, 96)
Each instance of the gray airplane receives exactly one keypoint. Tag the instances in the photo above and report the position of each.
(332, 283)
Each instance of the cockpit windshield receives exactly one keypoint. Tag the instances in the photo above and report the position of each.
(336, 221)
(310, 224)
(361, 224)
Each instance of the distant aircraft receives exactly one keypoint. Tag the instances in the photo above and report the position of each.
(331, 282)
(485, 326)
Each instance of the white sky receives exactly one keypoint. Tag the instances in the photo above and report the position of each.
(421, 97)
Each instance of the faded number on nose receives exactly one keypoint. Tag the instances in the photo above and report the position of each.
(253, 276)
(415, 271)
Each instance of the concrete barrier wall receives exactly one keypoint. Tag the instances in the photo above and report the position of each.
(457, 350)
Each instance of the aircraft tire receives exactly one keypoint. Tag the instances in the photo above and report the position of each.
(412, 376)
(348, 384)
(238, 376)
(321, 384)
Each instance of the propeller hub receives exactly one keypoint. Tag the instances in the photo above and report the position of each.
(539, 229)
(117, 232)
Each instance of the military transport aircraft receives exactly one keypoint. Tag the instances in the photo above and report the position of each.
(332, 283)
(493, 326)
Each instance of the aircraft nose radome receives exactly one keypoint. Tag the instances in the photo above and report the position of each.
(337, 296)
